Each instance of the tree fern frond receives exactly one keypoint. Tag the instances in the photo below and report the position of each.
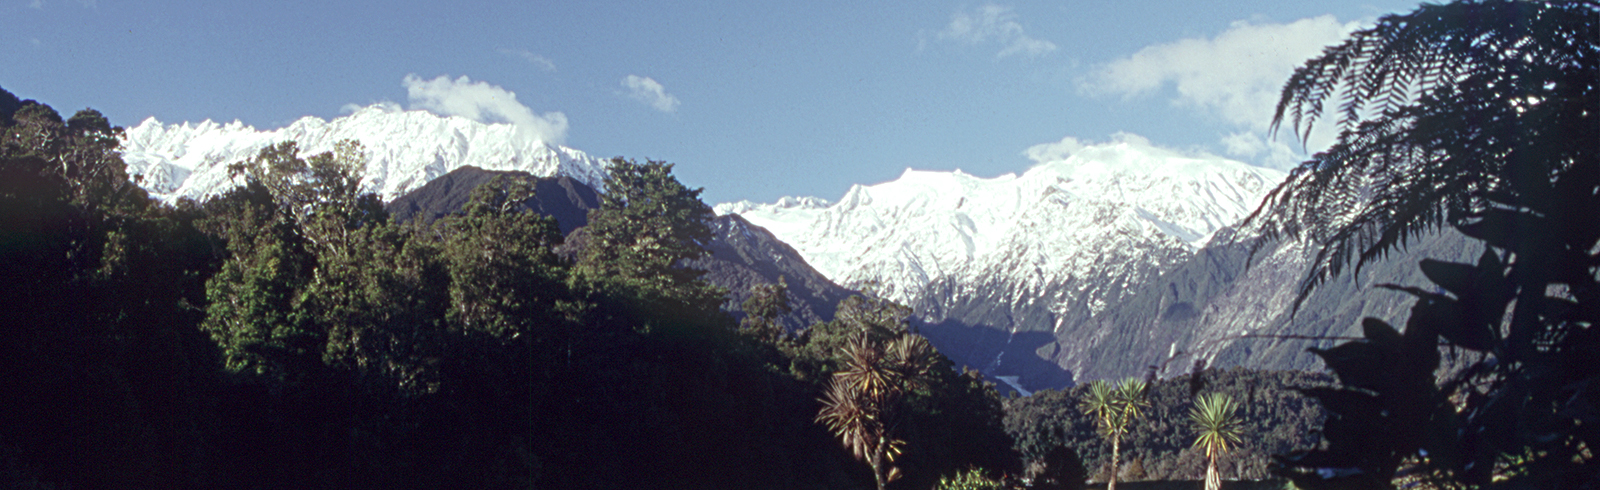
(1403, 87)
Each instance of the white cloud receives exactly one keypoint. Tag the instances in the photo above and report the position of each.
(542, 62)
(650, 92)
(482, 102)
(1252, 146)
(1067, 147)
(997, 24)
(1050, 152)
(385, 106)
(1235, 76)
(36, 4)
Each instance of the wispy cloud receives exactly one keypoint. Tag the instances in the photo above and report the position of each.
(1235, 76)
(1067, 147)
(482, 102)
(996, 24)
(1055, 151)
(650, 92)
(36, 4)
(385, 106)
(542, 62)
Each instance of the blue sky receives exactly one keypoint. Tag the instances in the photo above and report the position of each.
(752, 100)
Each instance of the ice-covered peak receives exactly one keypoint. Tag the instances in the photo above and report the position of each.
(785, 202)
(405, 150)
(928, 225)
(1187, 197)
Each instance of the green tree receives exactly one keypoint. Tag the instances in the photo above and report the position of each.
(1218, 430)
(1061, 469)
(862, 402)
(290, 233)
(1484, 116)
(648, 225)
(1115, 409)
(970, 479)
(505, 277)
(766, 304)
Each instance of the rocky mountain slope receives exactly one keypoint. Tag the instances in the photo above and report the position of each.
(1218, 309)
(405, 150)
(994, 267)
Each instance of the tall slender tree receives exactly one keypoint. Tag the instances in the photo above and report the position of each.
(862, 400)
(1115, 409)
(1218, 429)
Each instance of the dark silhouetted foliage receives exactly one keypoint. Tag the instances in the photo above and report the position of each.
(1483, 115)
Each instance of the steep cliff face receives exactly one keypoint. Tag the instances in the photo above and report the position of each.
(1218, 309)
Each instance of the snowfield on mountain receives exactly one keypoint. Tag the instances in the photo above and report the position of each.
(406, 149)
(1018, 253)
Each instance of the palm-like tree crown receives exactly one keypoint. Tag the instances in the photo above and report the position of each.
(861, 401)
(1214, 419)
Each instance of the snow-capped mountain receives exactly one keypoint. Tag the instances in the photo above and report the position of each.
(406, 149)
(993, 264)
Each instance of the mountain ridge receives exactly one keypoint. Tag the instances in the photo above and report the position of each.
(405, 150)
(989, 264)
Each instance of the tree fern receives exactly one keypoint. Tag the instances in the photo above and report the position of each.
(1438, 109)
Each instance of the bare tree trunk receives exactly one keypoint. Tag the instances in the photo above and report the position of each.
(1116, 461)
(877, 468)
(1213, 479)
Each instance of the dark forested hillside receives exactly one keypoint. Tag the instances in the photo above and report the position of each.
(742, 255)
(560, 197)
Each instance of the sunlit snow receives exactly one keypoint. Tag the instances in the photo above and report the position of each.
(1060, 220)
(406, 149)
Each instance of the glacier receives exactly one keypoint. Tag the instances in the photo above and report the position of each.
(405, 150)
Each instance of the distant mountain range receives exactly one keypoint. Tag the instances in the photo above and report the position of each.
(1097, 265)
(995, 267)
(406, 149)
